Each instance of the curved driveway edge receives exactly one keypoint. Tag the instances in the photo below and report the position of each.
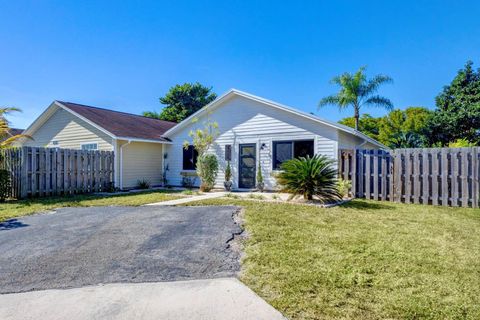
(225, 298)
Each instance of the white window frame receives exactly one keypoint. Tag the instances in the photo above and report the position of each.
(89, 143)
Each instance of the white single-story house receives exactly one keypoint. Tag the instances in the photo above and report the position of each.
(254, 134)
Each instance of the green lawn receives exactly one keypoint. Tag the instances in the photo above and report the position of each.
(364, 260)
(12, 209)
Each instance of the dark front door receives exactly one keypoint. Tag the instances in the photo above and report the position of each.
(247, 164)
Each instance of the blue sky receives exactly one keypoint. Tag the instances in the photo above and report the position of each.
(124, 55)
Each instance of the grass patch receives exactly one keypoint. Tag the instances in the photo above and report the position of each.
(11, 209)
(363, 260)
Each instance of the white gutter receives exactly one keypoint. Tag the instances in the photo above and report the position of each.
(121, 162)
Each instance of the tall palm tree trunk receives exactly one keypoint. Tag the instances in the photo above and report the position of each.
(356, 115)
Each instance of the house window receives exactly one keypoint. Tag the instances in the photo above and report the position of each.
(189, 158)
(90, 146)
(286, 150)
(228, 152)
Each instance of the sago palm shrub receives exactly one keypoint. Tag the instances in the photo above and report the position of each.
(310, 176)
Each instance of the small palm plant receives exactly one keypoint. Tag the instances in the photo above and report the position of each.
(310, 176)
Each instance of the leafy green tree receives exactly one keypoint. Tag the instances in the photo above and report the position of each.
(404, 128)
(358, 91)
(367, 124)
(457, 115)
(183, 100)
(461, 143)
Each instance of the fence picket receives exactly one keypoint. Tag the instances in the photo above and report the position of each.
(368, 175)
(425, 177)
(454, 175)
(416, 177)
(383, 159)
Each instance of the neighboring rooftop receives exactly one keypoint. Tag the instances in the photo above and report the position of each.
(122, 124)
(14, 131)
(10, 133)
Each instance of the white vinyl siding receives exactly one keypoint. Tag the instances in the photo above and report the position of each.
(69, 132)
(243, 120)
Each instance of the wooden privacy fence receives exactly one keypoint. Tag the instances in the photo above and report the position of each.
(436, 176)
(43, 172)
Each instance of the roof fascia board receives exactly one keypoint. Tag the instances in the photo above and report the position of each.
(142, 140)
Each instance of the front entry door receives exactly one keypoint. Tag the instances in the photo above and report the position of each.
(246, 168)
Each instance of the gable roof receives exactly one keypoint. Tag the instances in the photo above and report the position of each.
(118, 125)
(235, 92)
(122, 124)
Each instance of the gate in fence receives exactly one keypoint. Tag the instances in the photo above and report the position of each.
(436, 176)
(42, 172)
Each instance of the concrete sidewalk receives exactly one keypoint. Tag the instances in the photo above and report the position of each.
(175, 202)
(225, 298)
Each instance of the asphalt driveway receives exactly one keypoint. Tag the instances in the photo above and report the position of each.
(74, 247)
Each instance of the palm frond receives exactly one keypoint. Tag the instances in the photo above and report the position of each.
(333, 99)
(379, 101)
(6, 110)
(374, 83)
(9, 141)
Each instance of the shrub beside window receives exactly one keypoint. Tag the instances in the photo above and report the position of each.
(207, 169)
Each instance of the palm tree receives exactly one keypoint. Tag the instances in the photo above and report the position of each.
(6, 138)
(358, 91)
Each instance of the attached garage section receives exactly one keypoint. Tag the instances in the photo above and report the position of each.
(139, 161)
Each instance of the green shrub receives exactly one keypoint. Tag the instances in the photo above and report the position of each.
(143, 184)
(310, 177)
(344, 187)
(228, 172)
(259, 173)
(207, 169)
(4, 184)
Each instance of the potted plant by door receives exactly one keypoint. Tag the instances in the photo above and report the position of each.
(260, 184)
(228, 176)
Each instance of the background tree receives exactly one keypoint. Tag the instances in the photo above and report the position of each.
(358, 91)
(404, 128)
(183, 100)
(366, 124)
(457, 115)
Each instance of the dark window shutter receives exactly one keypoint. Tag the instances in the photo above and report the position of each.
(228, 152)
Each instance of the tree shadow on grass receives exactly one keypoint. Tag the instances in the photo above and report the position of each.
(12, 224)
(368, 205)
